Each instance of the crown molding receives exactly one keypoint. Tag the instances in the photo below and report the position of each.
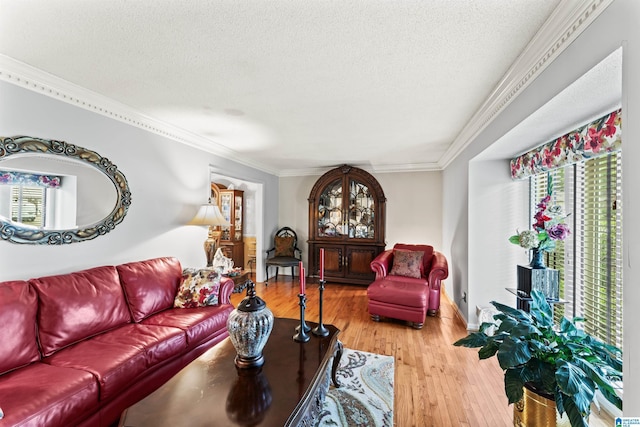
(407, 167)
(34, 79)
(567, 21)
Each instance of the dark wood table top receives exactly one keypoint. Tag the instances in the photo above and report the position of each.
(211, 391)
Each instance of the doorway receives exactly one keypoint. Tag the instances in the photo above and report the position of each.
(253, 227)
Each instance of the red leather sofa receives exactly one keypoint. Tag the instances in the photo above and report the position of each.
(77, 349)
(402, 297)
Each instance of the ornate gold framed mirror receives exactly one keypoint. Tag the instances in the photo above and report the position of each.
(54, 193)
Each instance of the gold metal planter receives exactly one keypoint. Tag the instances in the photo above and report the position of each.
(535, 410)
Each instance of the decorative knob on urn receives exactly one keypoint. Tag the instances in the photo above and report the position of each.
(249, 327)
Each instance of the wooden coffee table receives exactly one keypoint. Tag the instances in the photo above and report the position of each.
(288, 390)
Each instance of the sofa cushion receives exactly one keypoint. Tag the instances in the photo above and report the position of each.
(158, 342)
(198, 323)
(115, 366)
(398, 290)
(150, 286)
(199, 287)
(78, 305)
(43, 395)
(18, 309)
(407, 263)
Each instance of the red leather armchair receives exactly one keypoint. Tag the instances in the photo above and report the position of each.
(407, 298)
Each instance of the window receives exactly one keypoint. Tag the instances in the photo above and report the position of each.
(590, 260)
(27, 205)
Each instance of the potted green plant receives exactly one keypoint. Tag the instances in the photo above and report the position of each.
(562, 362)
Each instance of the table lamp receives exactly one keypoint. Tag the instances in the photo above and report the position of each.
(210, 215)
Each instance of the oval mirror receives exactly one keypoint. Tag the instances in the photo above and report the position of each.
(52, 192)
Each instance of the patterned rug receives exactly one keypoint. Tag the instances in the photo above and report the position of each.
(365, 395)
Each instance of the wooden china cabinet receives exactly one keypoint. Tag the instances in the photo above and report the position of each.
(231, 204)
(347, 219)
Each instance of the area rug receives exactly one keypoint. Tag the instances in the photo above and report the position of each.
(365, 395)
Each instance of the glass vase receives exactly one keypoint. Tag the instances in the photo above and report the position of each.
(537, 259)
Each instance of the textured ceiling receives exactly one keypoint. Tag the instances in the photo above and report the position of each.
(285, 84)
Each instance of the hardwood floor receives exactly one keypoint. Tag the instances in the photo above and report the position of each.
(436, 384)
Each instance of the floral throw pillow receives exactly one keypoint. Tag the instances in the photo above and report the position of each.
(407, 263)
(284, 246)
(199, 287)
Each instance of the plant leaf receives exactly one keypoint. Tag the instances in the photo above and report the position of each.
(486, 325)
(513, 385)
(575, 383)
(559, 402)
(515, 239)
(576, 418)
(603, 383)
(473, 340)
(524, 329)
(511, 312)
(488, 350)
(507, 324)
(542, 374)
(612, 397)
(568, 377)
(540, 308)
(513, 352)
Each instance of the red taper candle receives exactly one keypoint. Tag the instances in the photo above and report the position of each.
(301, 268)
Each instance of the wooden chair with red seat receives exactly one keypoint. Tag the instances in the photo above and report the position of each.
(407, 284)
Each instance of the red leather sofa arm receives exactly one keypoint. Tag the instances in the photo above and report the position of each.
(439, 270)
(382, 263)
(226, 289)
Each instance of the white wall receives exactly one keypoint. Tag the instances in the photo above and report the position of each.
(168, 182)
(498, 207)
(413, 207)
(616, 26)
(294, 210)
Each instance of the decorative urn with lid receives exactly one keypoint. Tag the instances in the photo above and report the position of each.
(249, 327)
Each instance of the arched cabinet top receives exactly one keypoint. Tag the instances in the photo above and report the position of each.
(351, 172)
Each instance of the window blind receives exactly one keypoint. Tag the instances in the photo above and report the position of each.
(590, 260)
(600, 250)
(27, 205)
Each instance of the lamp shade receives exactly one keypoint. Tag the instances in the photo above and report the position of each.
(209, 214)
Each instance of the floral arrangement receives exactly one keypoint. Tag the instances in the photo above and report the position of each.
(549, 226)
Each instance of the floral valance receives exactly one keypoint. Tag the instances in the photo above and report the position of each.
(21, 178)
(598, 138)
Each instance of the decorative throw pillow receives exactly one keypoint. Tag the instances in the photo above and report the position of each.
(407, 263)
(284, 246)
(198, 288)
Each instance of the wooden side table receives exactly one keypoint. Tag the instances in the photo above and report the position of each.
(239, 280)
